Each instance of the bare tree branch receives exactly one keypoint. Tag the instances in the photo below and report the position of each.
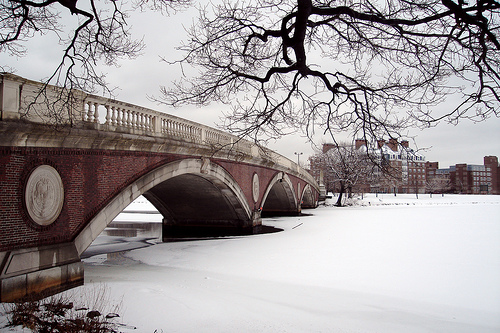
(372, 68)
(101, 36)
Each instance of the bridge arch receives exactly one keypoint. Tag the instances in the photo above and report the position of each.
(169, 185)
(307, 198)
(279, 197)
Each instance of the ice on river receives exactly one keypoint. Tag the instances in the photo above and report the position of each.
(389, 264)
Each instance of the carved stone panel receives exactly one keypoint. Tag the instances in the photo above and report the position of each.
(255, 187)
(44, 195)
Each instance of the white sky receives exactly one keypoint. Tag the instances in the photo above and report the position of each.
(139, 78)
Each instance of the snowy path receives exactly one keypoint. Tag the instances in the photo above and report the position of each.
(429, 266)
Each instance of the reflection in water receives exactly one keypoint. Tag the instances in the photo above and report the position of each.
(119, 258)
(123, 236)
(150, 230)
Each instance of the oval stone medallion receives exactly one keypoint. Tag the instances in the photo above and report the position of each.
(255, 187)
(44, 195)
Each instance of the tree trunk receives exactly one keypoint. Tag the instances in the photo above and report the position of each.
(342, 190)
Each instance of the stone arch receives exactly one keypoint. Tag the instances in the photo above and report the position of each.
(279, 197)
(200, 171)
(307, 198)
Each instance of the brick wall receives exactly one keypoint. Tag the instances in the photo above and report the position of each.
(90, 179)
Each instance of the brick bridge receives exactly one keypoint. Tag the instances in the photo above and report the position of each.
(62, 184)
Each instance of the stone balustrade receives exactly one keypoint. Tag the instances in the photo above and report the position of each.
(117, 116)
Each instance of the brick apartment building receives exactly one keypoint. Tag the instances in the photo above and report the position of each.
(404, 170)
(467, 178)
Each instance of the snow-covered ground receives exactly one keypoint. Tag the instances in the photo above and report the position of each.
(389, 264)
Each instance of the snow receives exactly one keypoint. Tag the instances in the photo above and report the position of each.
(388, 264)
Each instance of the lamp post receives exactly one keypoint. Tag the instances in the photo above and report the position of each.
(298, 157)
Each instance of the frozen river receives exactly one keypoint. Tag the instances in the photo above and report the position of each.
(392, 264)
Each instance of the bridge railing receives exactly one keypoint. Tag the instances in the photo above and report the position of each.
(118, 116)
(24, 99)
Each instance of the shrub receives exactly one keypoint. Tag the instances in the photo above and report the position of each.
(58, 314)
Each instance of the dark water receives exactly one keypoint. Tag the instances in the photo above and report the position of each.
(120, 237)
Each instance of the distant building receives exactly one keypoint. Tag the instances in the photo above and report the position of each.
(472, 179)
(397, 168)
(406, 167)
(437, 180)
(400, 169)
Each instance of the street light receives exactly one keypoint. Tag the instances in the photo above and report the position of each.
(298, 157)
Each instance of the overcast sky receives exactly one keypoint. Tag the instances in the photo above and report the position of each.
(139, 78)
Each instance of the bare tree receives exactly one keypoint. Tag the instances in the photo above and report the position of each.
(372, 67)
(348, 167)
(91, 32)
(438, 184)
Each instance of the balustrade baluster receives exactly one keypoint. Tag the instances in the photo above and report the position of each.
(118, 117)
(96, 112)
(129, 122)
(113, 116)
(133, 119)
(85, 111)
(142, 121)
(108, 116)
(89, 112)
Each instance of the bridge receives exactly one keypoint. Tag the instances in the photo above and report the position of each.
(70, 162)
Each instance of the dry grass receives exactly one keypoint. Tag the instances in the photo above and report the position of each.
(92, 312)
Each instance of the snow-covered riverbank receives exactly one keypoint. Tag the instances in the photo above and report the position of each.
(395, 264)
